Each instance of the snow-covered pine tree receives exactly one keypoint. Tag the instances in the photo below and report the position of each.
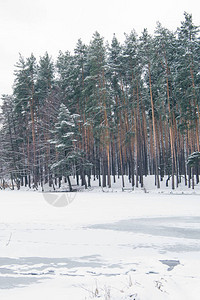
(136, 133)
(12, 163)
(64, 139)
(188, 79)
(47, 104)
(25, 109)
(165, 49)
(147, 53)
(98, 106)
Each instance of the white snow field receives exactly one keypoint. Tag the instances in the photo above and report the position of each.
(103, 245)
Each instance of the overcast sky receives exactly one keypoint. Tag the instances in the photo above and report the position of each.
(36, 26)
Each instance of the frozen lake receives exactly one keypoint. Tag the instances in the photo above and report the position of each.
(103, 239)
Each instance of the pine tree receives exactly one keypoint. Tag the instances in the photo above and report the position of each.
(25, 107)
(65, 144)
(188, 78)
(98, 104)
(12, 162)
(165, 45)
(147, 52)
(46, 100)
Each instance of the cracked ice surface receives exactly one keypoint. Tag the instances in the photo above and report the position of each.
(127, 244)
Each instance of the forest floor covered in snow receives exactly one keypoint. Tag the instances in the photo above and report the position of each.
(103, 245)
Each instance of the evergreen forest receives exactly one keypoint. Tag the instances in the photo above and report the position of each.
(107, 110)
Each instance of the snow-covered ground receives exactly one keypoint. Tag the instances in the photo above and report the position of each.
(103, 245)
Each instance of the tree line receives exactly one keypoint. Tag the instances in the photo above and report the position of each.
(119, 109)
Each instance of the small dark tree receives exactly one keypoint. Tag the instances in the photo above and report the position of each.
(193, 163)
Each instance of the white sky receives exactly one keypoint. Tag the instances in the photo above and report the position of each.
(36, 26)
